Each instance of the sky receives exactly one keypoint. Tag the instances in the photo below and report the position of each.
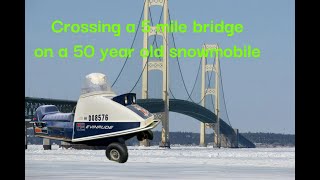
(260, 93)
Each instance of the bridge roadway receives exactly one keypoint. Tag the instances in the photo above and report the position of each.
(193, 110)
(154, 106)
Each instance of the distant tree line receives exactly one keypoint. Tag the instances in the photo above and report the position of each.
(273, 139)
(182, 138)
(192, 139)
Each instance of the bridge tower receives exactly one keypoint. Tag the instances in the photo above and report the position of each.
(210, 91)
(161, 65)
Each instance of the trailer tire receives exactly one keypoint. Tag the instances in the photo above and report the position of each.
(117, 152)
(140, 137)
(150, 135)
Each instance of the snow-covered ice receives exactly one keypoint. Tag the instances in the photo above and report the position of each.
(179, 162)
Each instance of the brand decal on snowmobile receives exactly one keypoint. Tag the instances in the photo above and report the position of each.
(145, 112)
(80, 127)
(98, 127)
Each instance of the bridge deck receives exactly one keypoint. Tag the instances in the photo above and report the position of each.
(193, 110)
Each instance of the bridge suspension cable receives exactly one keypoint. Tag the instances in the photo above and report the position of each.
(158, 23)
(143, 68)
(177, 59)
(154, 41)
(174, 44)
(195, 81)
(157, 42)
(224, 101)
(223, 97)
(209, 82)
(172, 93)
(134, 38)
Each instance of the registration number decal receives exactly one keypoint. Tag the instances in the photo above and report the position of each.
(98, 117)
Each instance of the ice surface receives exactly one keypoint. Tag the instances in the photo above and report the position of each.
(179, 162)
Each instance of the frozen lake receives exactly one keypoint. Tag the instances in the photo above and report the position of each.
(179, 162)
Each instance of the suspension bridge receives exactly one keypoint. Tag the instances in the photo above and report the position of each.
(207, 105)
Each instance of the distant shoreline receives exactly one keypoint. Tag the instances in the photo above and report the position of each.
(192, 139)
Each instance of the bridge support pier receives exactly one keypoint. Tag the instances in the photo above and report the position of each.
(165, 142)
(227, 141)
(161, 65)
(164, 145)
(224, 141)
(46, 144)
(203, 135)
(235, 139)
(212, 91)
(217, 137)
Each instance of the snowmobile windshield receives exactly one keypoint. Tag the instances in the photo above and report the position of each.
(125, 99)
(140, 111)
(96, 82)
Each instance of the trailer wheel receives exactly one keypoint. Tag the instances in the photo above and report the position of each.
(150, 135)
(140, 136)
(117, 152)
